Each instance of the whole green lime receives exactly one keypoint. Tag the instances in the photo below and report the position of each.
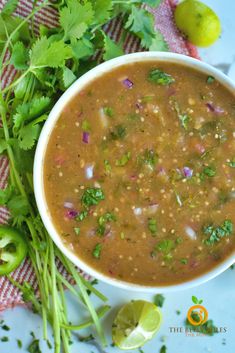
(198, 22)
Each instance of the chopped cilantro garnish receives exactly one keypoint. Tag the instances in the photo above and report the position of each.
(184, 261)
(178, 312)
(118, 132)
(217, 232)
(86, 338)
(179, 240)
(165, 246)
(76, 230)
(123, 160)
(159, 300)
(81, 216)
(159, 77)
(34, 347)
(232, 163)
(19, 343)
(5, 328)
(107, 166)
(152, 226)
(149, 157)
(209, 171)
(163, 349)
(92, 196)
(210, 79)
(86, 126)
(184, 119)
(108, 111)
(106, 218)
(97, 250)
(4, 339)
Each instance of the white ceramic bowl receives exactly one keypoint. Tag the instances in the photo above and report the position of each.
(42, 145)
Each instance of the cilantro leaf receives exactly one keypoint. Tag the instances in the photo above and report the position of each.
(47, 54)
(102, 10)
(34, 347)
(7, 25)
(5, 195)
(160, 77)
(19, 56)
(75, 18)
(217, 232)
(209, 171)
(18, 206)
(152, 226)
(232, 163)
(97, 250)
(68, 77)
(165, 246)
(111, 49)
(103, 220)
(159, 300)
(158, 43)
(140, 22)
(28, 135)
(82, 48)
(92, 196)
(118, 132)
(123, 160)
(9, 7)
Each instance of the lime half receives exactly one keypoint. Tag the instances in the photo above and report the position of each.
(198, 22)
(135, 324)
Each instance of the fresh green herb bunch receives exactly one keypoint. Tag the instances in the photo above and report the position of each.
(46, 65)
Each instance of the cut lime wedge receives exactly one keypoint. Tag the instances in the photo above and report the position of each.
(135, 324)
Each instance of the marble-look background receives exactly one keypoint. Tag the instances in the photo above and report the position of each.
(218, 294)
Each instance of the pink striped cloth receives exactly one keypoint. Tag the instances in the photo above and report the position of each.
(9, 295)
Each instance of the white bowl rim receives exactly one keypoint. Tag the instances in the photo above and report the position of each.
(79, 84)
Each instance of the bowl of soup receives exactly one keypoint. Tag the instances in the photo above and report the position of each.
(134, 172)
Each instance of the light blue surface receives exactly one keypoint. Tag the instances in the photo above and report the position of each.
(218, 295)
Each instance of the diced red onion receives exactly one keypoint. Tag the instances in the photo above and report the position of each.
(188, 172)
(214, 109)
(152, 208)
(200, 148)
(71, 214)
(139, 105)
(68, 205)
(191, 233)
(89, 171)
(128, 83)
(85, 137)
(59, 160)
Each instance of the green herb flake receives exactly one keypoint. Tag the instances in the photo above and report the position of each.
(209, 171)
(217, 232)
(152, 226)
(86, 126)
(118, 132)
(165, 246)
(159, 77)
(76, 230)
(81, 216)
(123, 160)
(184, 261)
(108, 111)
(103, 220)
(107, 166)
(149, 157)
(86, 338)
(5, 328)
(184, 120)
(92, 196)
(163, 349)
(4, 339)
(97, 250)
(178, 312)
(34, 347)
(19, 343)
(159, 300)
(210, 79)
(232, 163)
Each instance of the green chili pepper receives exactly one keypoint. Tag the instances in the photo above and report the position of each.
(13, 249)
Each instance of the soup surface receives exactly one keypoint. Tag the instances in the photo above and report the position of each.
(139, 173)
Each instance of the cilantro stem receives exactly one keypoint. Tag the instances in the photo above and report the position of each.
(100, 312)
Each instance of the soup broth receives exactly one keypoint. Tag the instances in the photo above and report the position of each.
(139, 173)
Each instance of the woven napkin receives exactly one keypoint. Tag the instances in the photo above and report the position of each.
(164, 22)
